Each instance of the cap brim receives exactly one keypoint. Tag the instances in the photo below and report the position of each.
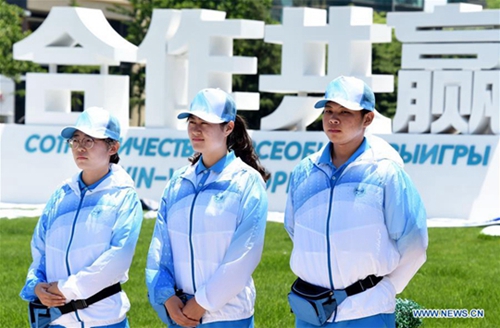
(210, 118)
(342, 102)
(69, 131)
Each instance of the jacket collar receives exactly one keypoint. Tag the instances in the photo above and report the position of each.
(192, 170)
(217, 167)
(91, 187)
(325, 157)
(116, 177)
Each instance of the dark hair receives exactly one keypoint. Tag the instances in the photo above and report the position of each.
(113, 158)
(240, 142)
(365, 111)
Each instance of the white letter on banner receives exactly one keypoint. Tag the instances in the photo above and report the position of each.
(413, 112)
(304, 36)
(451, 100)
(75, 36)
(485, 102)
(203, 44)
(165, 74)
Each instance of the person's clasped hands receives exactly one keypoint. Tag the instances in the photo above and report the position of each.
(186, 315)
(49, 294)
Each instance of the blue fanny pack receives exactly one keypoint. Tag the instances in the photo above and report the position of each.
(41, 316)
(315, 304)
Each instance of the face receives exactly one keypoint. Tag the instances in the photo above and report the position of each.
(208, 137)
(344, 126)
(94, 158)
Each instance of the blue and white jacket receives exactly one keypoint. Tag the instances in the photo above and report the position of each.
(208, 238)
(363, 218)
(85, 240)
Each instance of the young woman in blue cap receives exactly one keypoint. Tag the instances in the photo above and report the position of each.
(83, 244)
(209, 233)
(357, 222)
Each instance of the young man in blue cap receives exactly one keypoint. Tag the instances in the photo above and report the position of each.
(357, 222)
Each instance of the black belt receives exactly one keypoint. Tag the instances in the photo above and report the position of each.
(82, 304)
(362, 285)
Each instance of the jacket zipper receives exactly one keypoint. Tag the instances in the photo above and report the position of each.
(191, 248)
(328, 245)
(71, 240)
(73, 233)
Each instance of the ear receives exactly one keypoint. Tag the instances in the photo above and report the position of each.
(368, 119)
(113, 148)
(228, 128)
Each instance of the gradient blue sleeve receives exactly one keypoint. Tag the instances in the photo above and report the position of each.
(406, 222)
(37, 270)
(111, 265)
(289, 222)
(160, 279)
(243, 253)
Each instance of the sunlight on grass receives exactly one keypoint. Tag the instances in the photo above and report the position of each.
(461, 272)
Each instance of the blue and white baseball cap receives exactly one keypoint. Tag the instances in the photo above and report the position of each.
(211, 105)
(95, 122)
(349, 92)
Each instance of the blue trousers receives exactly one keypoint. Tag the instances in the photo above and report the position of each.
(383, 320)
(245, 323)
(123, 324)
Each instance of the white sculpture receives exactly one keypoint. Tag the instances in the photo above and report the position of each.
(463, 60)
(194, 61)
(75, 36)
(305, 36)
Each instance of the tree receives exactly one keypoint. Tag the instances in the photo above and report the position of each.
(269, 55)
(492, 4)
(386, 59)
(11, 32)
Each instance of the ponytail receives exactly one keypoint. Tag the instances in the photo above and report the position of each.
(240, 142)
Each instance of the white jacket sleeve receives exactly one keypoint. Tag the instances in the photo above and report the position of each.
(406, 222)
(37, 270)
(160, 279)
(289, 222)
(244, 252)
(114, 263)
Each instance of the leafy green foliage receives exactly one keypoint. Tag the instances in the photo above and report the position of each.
(11, 20)
(492, 4)
(404, 314)
(386, 59)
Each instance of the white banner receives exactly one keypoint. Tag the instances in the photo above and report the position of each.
(457, 176)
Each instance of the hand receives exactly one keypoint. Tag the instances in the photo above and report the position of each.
(54, 289)
(48, 298)
(174, 307)
(193, 310)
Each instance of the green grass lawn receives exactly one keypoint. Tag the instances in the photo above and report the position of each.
(462, 272)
